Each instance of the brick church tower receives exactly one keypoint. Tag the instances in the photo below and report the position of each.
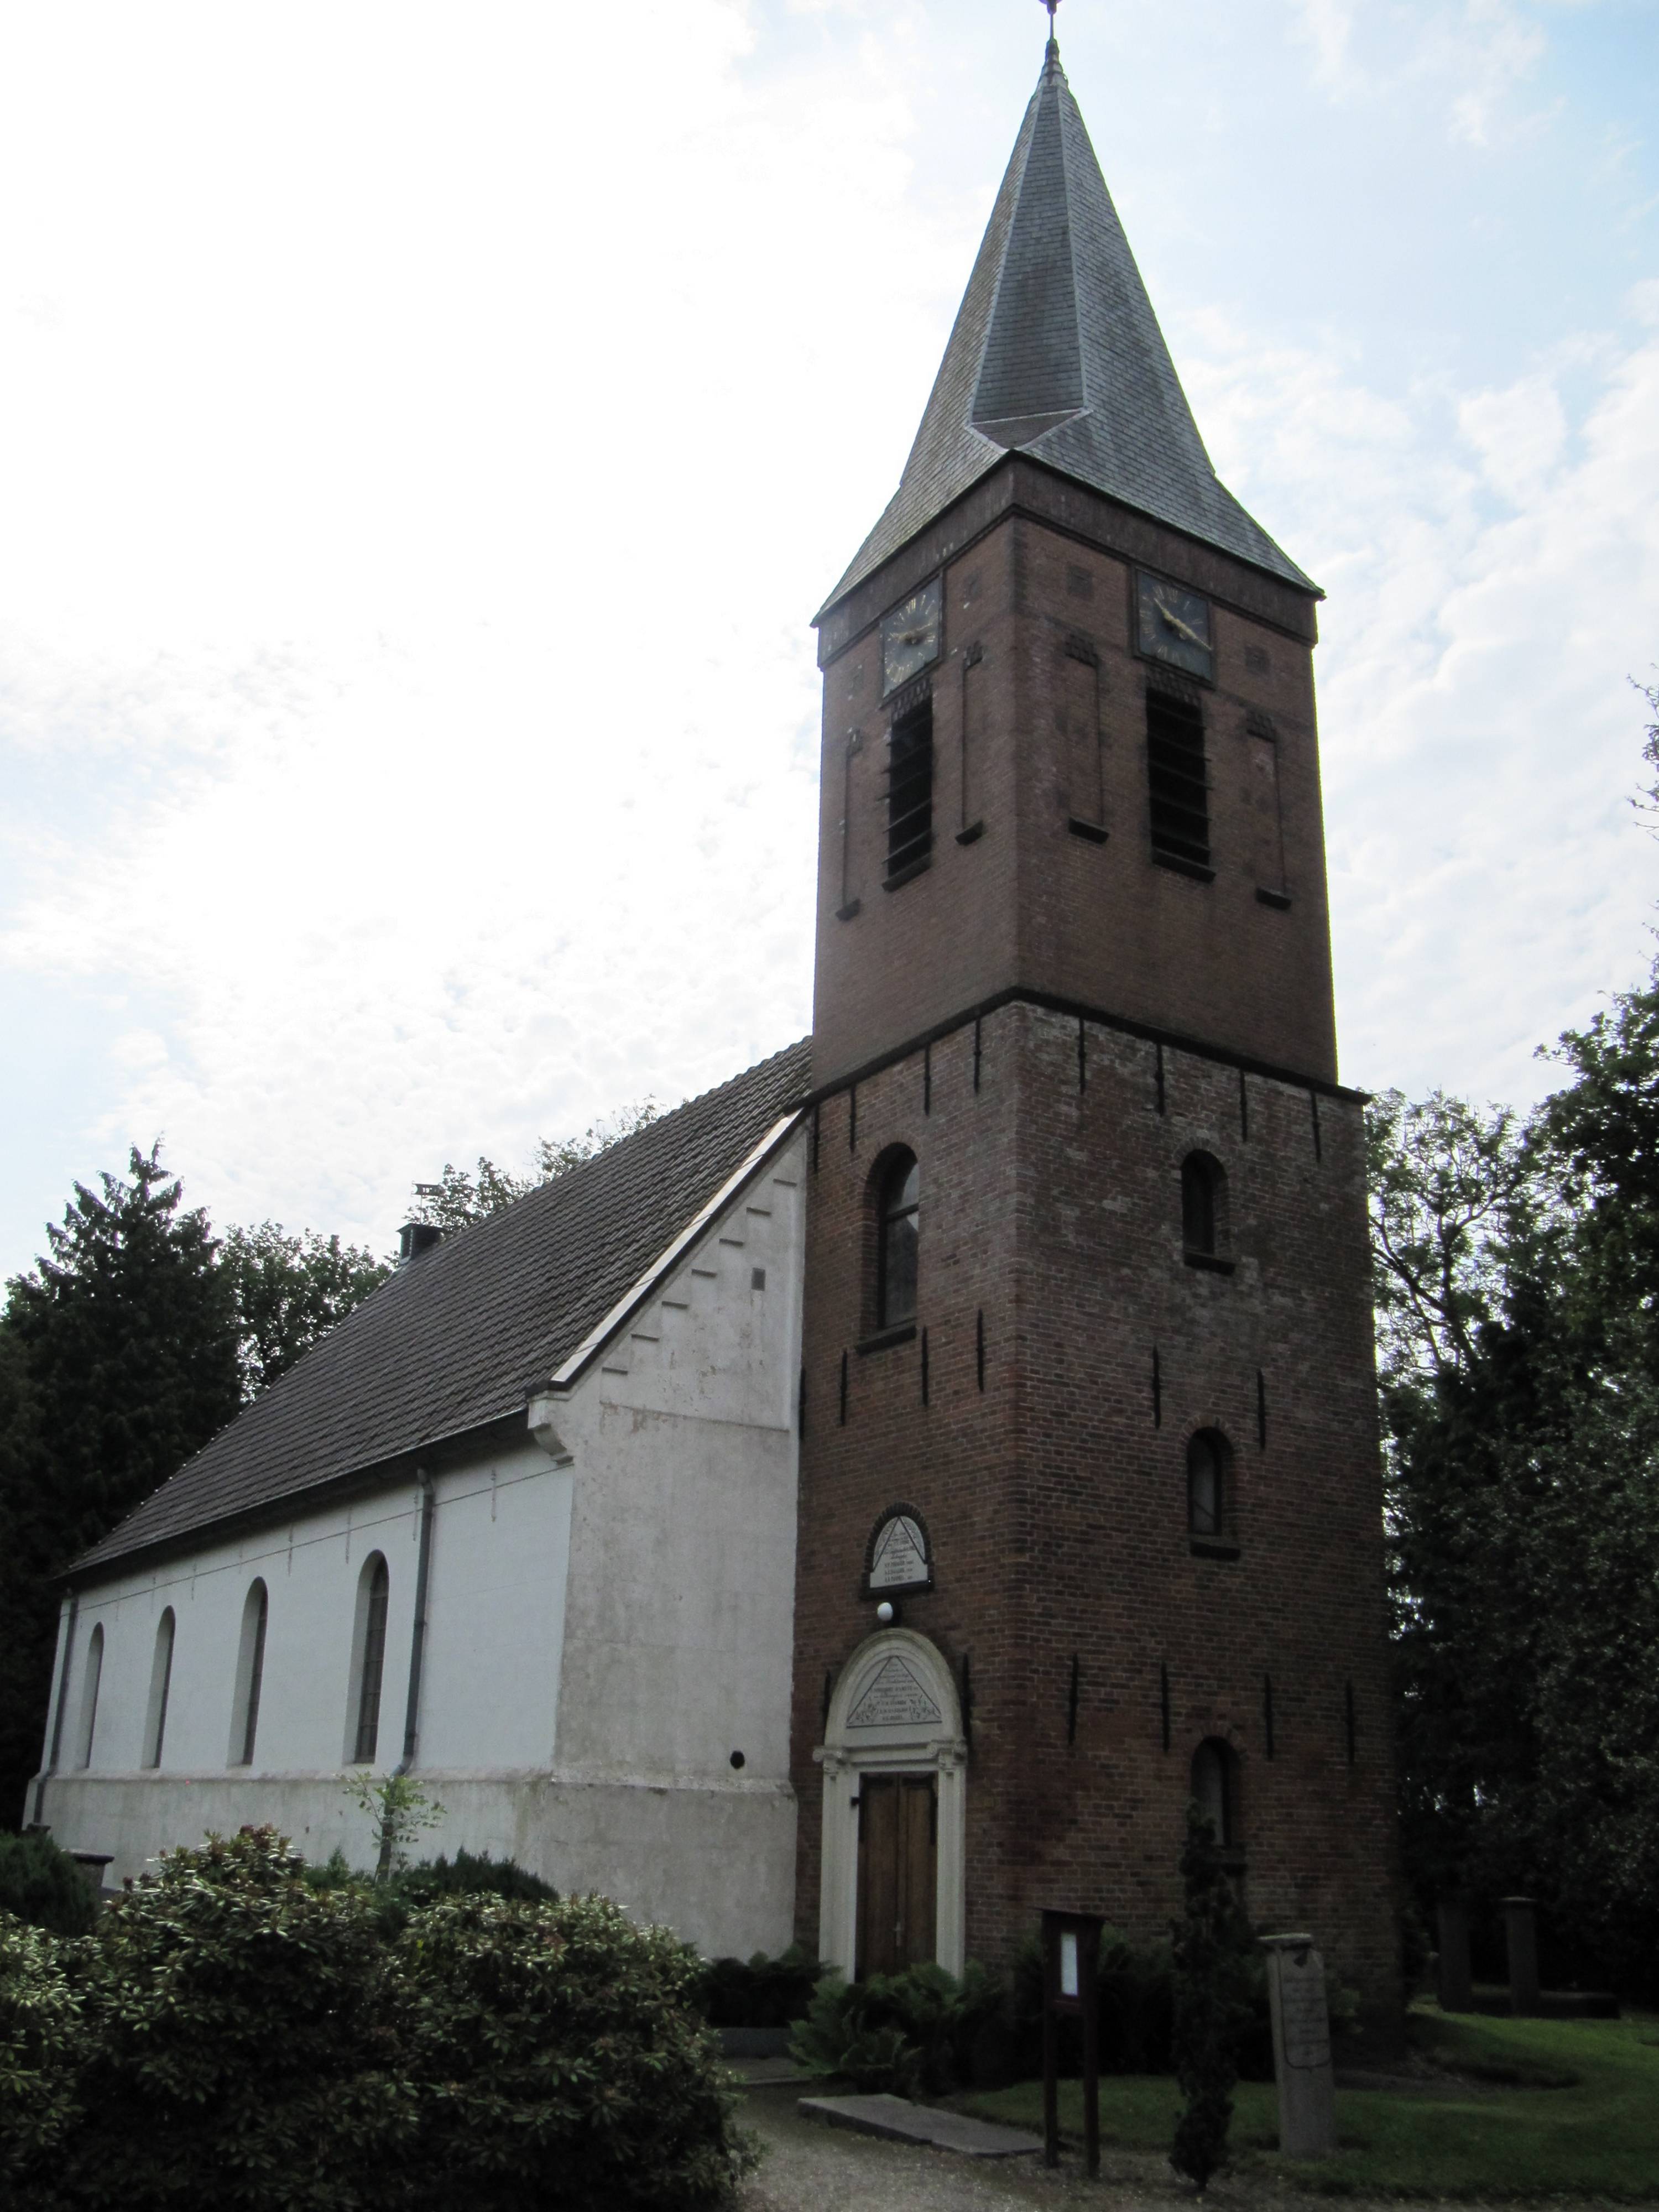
(1090, 1512)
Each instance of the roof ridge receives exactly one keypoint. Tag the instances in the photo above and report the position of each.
(444, 1347)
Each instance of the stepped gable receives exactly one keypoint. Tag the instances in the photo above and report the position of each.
(456, 1338)
(1056, 352)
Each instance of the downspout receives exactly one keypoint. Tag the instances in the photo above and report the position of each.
(57, 1717)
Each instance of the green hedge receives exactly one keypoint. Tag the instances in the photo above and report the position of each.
(759, 1992)
(231, 2036)
(44, 1886)
(913, 2032)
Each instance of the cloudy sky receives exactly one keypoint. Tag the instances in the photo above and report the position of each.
(425, 432)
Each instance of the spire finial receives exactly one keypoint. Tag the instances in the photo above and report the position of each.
(1054, 43)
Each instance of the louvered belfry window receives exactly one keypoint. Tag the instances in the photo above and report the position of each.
(910, 789)
(1177, 781)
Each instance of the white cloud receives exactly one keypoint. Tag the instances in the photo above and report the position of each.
(1470, 61)
(1479, 733)
(421, 453)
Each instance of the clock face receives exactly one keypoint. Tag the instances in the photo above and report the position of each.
(1173, 625)
(910, 636)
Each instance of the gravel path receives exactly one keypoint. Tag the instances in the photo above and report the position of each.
(809, 2167)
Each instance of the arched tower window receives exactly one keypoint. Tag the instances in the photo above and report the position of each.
(368, 1658)
(1206, 1484)
(250, 1674)
(89, 1696)
(160, 1682)
(1203, 1203)
(898, 1200)
(1215, 1789)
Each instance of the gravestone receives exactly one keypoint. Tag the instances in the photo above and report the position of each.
(1302, 2046)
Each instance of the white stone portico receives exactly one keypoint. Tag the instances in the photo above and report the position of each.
(894, 1710)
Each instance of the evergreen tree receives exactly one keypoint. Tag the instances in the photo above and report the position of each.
(120, 1361)
(1212, 1953)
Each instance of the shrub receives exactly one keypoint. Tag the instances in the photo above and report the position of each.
(472, 1873)
(759, 1992)
(40, 2032)
(558, 2061)
(899, 2032)
(44, 1887)
(1136, 1987)
(1213, 1955)
(239, 2043)
(233, 2036)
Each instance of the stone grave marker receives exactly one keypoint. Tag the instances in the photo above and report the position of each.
(1302, 2046)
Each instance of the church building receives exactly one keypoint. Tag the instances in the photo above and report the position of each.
(869, 1503)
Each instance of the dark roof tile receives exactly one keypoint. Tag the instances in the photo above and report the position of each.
(1056, 352)
(454, 1338)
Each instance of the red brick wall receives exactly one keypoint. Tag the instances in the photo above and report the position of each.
(1027, 903)
(1057, 1509)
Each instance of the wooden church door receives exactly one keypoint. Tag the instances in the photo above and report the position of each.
(898, 1847)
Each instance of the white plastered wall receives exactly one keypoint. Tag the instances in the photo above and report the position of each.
(609, 1617)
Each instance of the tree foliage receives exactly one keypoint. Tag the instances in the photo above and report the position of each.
(233, 2035)
(1214, 1961)
(461, 1197)
(43, 1885)
(289, 1291)
(119, 1362)
(1518, 1272)
(129, 1344)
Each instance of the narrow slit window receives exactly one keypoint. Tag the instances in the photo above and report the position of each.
(896, 1251)
(1207, 1473)
(374, 1592)
(89, 1696)
(1267, 808)
(1203, 1205)
(160, 1682)
(250, 1674)
(910, 790)
(1215, 1791)
(1177, 781)
(1078, 713)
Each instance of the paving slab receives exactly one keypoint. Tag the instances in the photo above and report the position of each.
(900, 2121)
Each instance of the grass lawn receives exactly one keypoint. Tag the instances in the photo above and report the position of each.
(1592, 2131)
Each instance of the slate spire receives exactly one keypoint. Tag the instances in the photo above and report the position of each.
(1056, 352)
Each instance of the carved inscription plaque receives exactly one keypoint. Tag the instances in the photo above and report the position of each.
(893, 1697)
(900, 1559)
(1302, 2004)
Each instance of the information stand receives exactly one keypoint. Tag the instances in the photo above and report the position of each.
(1071, 1958)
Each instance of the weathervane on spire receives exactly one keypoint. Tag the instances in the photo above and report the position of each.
(1054, 43)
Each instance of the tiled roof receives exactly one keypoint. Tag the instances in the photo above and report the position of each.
(1056, 352)
(454, 1338)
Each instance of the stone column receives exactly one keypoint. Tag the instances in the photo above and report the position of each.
(1302, 2046)
(1456, 1982)
(1521, 1927)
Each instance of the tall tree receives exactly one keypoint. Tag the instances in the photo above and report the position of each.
(289, 1291)
(120, 1361)
(461, 1198)
(1520, 1358)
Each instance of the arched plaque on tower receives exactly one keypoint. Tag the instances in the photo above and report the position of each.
(898, 1556)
